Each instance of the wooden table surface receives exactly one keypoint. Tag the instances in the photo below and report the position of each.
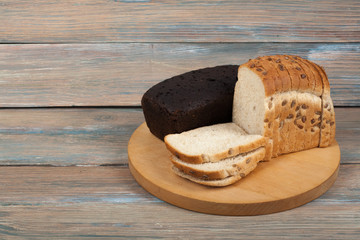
(72, 74)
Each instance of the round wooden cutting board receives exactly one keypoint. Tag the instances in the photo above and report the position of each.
(283, 183)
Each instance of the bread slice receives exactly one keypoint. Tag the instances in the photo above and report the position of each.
(222, 169)
(234, 171)
(328, 125)
(212, 143)
(213, 183)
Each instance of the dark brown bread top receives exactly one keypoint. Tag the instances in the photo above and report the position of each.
(193, 89)
(190, 100)
(293, 73)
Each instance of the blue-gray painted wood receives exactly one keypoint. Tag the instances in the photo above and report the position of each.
(180, 21)
(63, 137)
(106, 202)
(118, 74)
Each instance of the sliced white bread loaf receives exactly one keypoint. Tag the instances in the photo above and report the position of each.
(212, 143)
(287, 99)
(222, 169)
(219, 174)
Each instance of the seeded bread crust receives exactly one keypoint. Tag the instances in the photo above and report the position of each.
(294, 69)
(284, 122)
(295, 122)
(328, 125)
(276, 79)
(285, 70)
(205, 158)
(264, 71)
(306, 82)
(313, 122)
(231, 166)
(328, 122)
(318, 81)
(302, 76)
(294, 126)
(276, 124)
(282, 72)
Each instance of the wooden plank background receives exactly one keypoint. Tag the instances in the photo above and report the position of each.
(105, 202)
(179, 21)
(72, 74)
(37, 75)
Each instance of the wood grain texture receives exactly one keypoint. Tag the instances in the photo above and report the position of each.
(66, 136)
(97, 136)
(106, 202)
(34, 75)
(179, 21)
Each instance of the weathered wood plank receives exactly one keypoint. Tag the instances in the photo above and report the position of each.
(89, 202)
(179, 21)
(96, 136)
(33, 75)
(66, 136)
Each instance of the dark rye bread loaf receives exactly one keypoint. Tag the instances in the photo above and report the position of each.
(190, 100)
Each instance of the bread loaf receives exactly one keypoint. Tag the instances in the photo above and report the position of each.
(190, 100)
(287, 99)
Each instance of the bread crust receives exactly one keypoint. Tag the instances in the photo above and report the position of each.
(281, 110)
(315, 122)
(306, 75)
(318, 82)
(293, 69)
(328, 124)
(285, 118)
(276, 133)
(270, 80)
(318, 79)
(290, 126)
(297, 73)
(283, 72)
